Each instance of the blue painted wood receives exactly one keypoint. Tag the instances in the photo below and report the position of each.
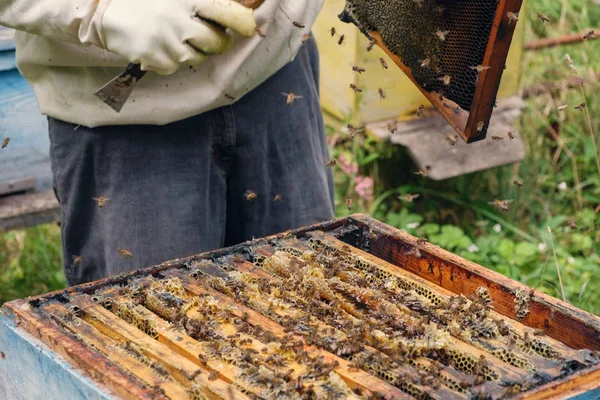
(591, 395)
(27, 154)
(29, 370)
(6, 38)
(7, 60)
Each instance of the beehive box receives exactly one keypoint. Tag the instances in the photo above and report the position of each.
(350, 308)
(403, 97)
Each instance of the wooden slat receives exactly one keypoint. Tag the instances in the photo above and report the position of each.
(108, 347)
(569, 325)
(182, 369)
(79, 355)
(354, 378)
(30, 209)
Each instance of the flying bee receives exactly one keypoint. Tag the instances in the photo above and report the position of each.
(422, 173)
(355, 88)
(260, 32)
(425, 63)
(511, 135)
(305, 37)
(250, 195)
(125, 253)
(392, 127)
(100, 200)
(299, 25)
(342, 37)
(480, 126)
(352, 131)
(409, 198)
(518, 183)
(452, 139)
(563, 107)
(543, 17)
(229, 97)
(480, 68)
(421, 241)
(420, 110)
(512, 17)
(501, 205)
(446, 79)
(213, 376)
(382, 94)
(442, 35)
(494, 137)
(277, 197)
(291, 98)
(580, 107)
(331, 163)
(383, 63)
(589, 34)
(5, 142)
(358, 69)
(332, 31)
(371, 44)
(349, 204)
(77, 260)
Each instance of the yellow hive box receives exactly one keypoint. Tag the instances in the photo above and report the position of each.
(403, 98)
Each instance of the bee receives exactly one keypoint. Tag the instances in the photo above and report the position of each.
(442, 35)
(291, 98)
(382, 94)
(511, 135)
(501, 205)
(452, 139)
(421, 241)
(305, 37)
(260, 32)
(331, 163)
(589, 34)
(446, 79)
(299, 25)
(250, 195)
(512, 17)
(409, 198)
(392, 127)
(425, 63)
(355, 88)
(580, 107)
(349, 204)
(480, 126)
(420, 110)
(352, 131)
(100, 200)
(383, 63)
(341, 41)
(494, 137)
(230, 97)
(480, 68)
(213, 376)
(539, 332)
(563, 107)
(77, 260)
(5, 142)
(370, 45)
(518, 183)
(571, 224)
(543, 17)
(125, 253)
(358, 69)
(277, 197)
(422, 173)
(414, 252)
(332, 31)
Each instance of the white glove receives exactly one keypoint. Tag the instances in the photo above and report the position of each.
(163, 35)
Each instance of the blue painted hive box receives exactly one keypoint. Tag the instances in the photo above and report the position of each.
(346, 309)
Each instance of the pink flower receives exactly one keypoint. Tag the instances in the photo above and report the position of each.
(347, 166)
(364, 187)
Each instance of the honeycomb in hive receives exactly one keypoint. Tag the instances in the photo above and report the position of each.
(302, 316)
(446, 48)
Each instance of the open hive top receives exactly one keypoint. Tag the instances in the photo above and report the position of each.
(453, 50)
(313, 314)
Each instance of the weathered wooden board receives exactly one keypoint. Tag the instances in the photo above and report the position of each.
(29, 209)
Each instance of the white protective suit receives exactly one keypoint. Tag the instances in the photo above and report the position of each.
(61, 51)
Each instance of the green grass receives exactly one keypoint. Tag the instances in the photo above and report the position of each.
(455, 214)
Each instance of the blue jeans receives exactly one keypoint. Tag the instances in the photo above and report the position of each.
(181, 189)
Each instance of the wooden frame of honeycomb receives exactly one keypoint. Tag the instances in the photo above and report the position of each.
(350, 308)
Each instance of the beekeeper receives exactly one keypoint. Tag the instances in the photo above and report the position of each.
(206, 153)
